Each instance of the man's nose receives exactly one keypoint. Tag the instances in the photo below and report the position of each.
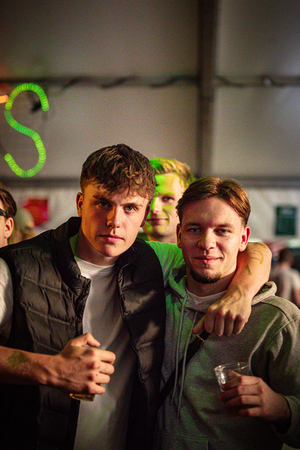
(207, 240)
(156, 205)
(114, 218)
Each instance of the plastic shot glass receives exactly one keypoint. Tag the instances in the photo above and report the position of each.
(224, 372)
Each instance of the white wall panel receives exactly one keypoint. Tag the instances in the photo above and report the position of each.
(263, 212)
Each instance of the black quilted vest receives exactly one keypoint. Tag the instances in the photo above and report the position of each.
(49, 301)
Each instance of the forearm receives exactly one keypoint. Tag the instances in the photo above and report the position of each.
(79, 367)
(253, 270)
(21, 367)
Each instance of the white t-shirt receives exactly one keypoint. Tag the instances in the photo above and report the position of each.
(102, 424)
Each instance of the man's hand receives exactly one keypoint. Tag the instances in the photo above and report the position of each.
(249, 396)
(81, 369)
(230, 314)
(227, 315)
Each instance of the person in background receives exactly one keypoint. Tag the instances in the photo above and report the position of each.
(8, 209)
(263, 410)
(172, 178)
(88, 282)
(24, 226)
(286, 277)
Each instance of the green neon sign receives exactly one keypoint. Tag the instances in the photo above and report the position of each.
(27, 131)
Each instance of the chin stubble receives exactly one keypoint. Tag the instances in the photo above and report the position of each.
(205, 279)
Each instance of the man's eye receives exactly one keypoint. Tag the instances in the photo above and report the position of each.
(194, 230)
(223, 232)
(166, 199)
(130, 208)
(103, 204)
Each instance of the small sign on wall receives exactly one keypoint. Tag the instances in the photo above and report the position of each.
(286, 217)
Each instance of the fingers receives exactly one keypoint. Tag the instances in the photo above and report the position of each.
(215, 322)
(199, 326)
(239, 324)
(250, 396)
(103, 367)
(239, 385)
(81, 368)
(83, 347)
(226, 316)
(101, 377)
(246, 396)
(85, 339)
(106, 356)
(241, 396)
(220, 322)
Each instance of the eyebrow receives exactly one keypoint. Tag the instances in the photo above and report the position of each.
(220, 225)
(107, 199)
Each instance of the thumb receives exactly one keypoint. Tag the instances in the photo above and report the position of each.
(199, 326)
(86, 339)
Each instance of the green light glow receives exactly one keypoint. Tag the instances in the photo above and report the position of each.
(27, 131)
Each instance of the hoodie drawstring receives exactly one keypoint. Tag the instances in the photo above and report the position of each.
(184, 355)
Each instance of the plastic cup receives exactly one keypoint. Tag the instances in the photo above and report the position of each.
(224, 372)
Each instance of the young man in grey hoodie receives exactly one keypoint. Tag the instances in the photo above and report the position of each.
(213, 229)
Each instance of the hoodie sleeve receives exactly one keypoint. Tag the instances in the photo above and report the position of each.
(169, 255)
(277, 360)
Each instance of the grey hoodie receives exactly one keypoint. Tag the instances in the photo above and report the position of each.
(193, 417)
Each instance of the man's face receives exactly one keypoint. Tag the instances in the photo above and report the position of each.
(109, 225)
(162, 220)
(6, 228)
(211, 235)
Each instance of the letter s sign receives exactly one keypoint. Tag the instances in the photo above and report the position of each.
(27, 131)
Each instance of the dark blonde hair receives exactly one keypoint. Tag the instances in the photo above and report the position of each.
(119, 168)
(163, 166)
(228, 190)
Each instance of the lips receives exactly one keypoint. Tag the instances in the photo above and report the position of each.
(156, 221)
(111, 238)
(207, 259)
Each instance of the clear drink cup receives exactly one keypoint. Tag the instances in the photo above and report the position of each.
(225, 372)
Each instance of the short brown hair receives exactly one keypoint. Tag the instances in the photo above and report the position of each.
(163, 166)
(228, 190)
(119, 168)
(9, 204)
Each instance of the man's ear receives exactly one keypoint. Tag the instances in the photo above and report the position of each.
(178, 231)
(244, 239)
(9, 226)
(79, 201)
(146, 214)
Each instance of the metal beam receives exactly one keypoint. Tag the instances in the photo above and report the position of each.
(207, 13)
